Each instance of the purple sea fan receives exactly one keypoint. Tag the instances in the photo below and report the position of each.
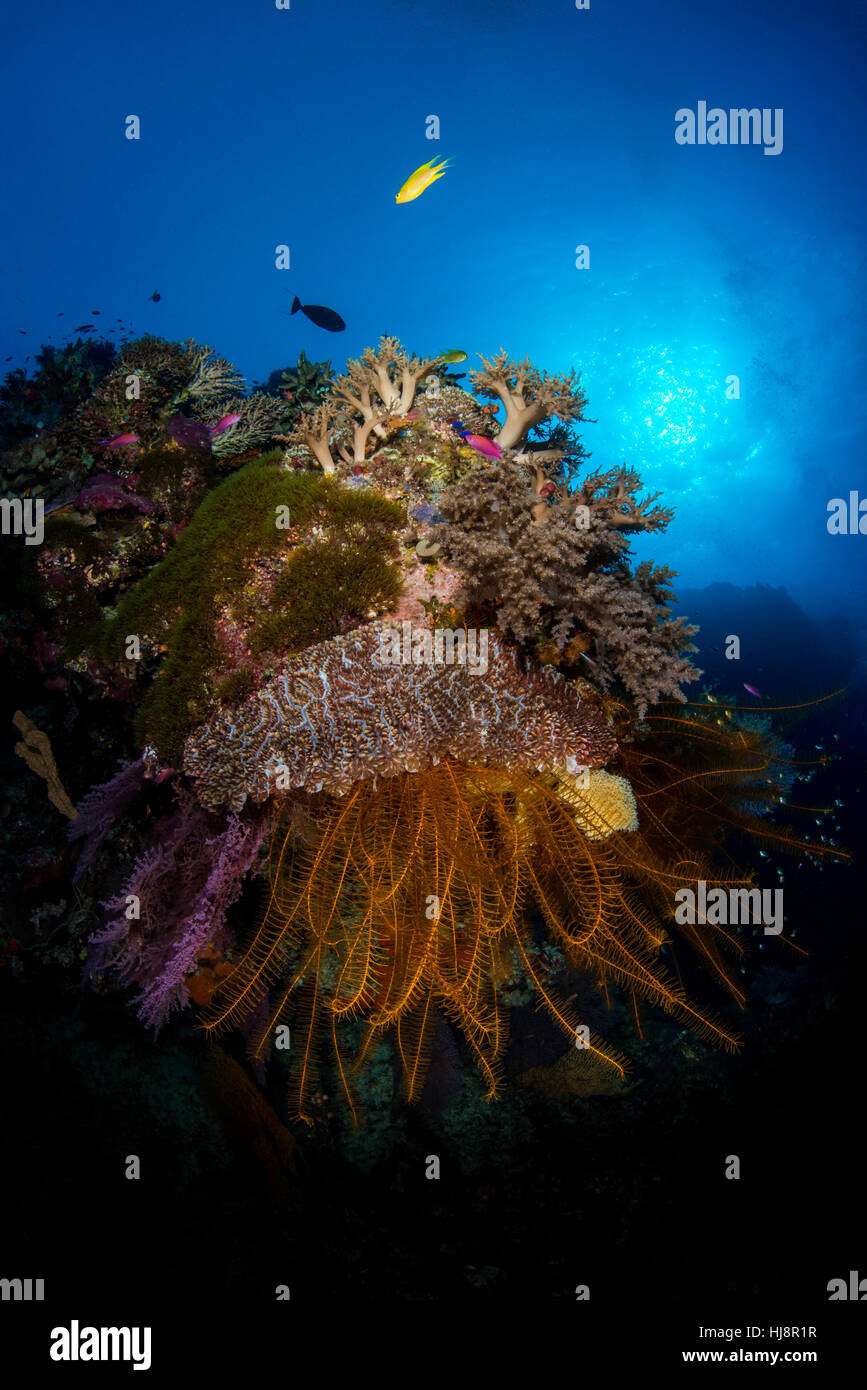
(189, 434)
(181, 888)
(106, 494)
(101, 807)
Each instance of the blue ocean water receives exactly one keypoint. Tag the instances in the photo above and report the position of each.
(263, 126)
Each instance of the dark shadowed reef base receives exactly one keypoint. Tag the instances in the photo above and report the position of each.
(540, 1192)
(191, 661)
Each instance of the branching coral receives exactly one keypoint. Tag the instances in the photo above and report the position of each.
(561, 579)
(336, 715)
(529, 396)
(313, 432)
(376, 388)
(211, 378)
(159, 362)
(387, 373)
(613, 497)
(610, 497)
(262, 418)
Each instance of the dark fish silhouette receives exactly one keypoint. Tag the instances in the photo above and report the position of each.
(156, 296)
(22, 330)
(318, 314)
(8, 359)
(83, 327)
(94, 311)
(60, 315)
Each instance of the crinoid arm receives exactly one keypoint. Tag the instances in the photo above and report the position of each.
(415, 892)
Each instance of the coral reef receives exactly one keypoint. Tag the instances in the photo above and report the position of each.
(156, 390)
(560, 582)
(64, 378)
(172, 908)
(262, 419)
(207, 605)
(341, 713)
(438, 854)
(604, 805)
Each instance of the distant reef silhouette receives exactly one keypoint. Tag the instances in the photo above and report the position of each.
(784, 654)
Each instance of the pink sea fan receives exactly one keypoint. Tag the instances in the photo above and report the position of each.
(107, 494)
(101, 808)
(181, 890)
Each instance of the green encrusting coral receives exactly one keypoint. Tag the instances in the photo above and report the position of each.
(338, 578)
(220, 566)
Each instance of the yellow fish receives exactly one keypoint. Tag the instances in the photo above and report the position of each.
(420, 180)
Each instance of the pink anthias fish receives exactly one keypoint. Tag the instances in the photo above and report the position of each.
(225, 424)
(483, 445)
(479, 442)
(753, 691)
(119, 440)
